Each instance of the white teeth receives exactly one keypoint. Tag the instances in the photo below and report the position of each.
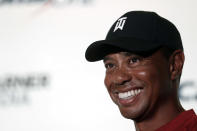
(129, 93)
(132, 93)
(136, 91)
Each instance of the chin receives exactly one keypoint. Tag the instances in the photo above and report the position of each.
(126, 113)
(134, 114)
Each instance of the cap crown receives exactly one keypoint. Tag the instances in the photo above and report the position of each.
(138, 32)
(147, 26)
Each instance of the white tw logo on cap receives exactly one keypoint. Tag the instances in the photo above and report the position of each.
(120, 23)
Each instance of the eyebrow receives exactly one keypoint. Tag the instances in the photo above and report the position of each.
(128, 54)
(107, 58)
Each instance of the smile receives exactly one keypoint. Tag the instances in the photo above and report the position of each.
(129, 94)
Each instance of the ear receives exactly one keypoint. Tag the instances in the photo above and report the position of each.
(176, 64)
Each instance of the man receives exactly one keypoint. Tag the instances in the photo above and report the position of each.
(143, 56)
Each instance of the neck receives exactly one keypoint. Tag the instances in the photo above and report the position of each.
(161, 116)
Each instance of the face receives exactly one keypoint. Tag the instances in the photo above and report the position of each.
(137, 85)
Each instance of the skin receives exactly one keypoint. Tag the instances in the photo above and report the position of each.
(158, 79)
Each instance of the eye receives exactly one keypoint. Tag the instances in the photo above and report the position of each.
(109, 65)
(134, 60)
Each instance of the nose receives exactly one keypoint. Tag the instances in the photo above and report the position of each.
(121, 77)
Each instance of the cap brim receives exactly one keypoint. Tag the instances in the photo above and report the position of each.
(99, 49)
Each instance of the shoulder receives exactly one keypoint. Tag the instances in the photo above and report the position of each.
(191, 123)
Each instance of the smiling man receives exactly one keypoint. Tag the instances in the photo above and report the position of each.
(143, 56)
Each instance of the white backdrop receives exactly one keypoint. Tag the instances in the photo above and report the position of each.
(51, 40)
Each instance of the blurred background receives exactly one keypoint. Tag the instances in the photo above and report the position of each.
(45, 82)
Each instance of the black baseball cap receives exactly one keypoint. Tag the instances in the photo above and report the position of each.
(136, 31)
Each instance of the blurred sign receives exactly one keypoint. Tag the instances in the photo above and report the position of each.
(188, 91)
(64, 2)
(14, 89)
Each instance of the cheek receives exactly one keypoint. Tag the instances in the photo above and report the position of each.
(107, 81)
(143, 74)
(155, 80)
(149, 76)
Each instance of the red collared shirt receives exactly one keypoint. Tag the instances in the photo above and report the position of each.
(186, 121)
